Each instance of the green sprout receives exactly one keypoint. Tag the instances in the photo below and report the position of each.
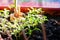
(4, 13)
(33, 18)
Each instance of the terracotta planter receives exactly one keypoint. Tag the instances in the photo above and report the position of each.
(51, 11)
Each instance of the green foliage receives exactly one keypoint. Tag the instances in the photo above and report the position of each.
(4, 13)
(33, 18)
